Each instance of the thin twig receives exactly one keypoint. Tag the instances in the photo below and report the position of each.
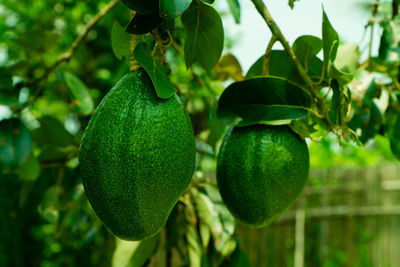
(267, 55)
(371, 24)
(264, 12)
(66, 56)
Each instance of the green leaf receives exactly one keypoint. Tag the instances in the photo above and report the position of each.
(280, 65)
(52, 153)
(29, 170)
(6, 82)
(340, 103)
(229, 67)
(79, 93)
(15, 142)
(223, 223)
(145, 250)
(157, 72)
(347, 58)
(203, 206)
(372, 92)
(389, 52)
(307, 47)
(142, 24)
(268, 100)
(330, 40)
(238, 258)
(51, 132)
(291, 3)
(120, 41)
(195, 249)
(142, 7)
(343, 78)
(256, 69)
(173, 8)
(205, 35)
(48, 208)
(368, 121)
(234, 7)
(392, 125)
(123, 252)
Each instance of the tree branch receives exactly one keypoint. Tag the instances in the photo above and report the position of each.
(65, 57)
(264, 12)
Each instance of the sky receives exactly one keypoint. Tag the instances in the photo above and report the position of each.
(252, 35)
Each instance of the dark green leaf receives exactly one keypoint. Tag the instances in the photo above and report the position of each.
(79, 93)
(234, 7)
(6, 82)
(52, 153)
(368, 121)
(30, 169)
(15, 142)
(256, 69)
(281, 65)
(268, 100)
(205, 35)
(173, 8)
(330, 40)
(307, 47)
(392, 125)
(142, 24)
(157, 72)
(168, 25)
(141, 6)
(120, 41)
(389, 51)
(51, 132)
(371, 93)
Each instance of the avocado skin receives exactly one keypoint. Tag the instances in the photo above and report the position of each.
(137, 157)
(261, 171)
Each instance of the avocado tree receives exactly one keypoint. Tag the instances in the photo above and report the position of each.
(81, 164)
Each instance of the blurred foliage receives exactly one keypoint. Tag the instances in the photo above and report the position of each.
(45, 218)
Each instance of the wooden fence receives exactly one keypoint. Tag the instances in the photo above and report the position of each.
(345, 217)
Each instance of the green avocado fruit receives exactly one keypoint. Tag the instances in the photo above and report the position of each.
(137, 157)
(261, 171)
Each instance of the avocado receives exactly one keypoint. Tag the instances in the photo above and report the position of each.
(137, 156)
(261, 171)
